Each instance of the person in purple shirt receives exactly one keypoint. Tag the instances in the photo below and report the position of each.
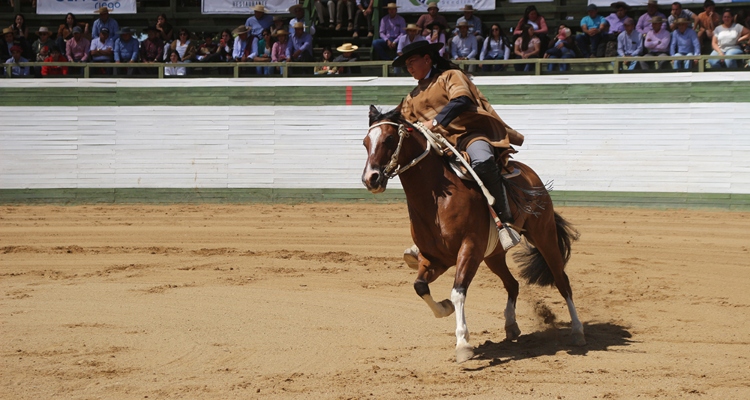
(617, 18)
(259, 21)
(391, 27)
(300, 45)
(656, 42)
(684, 43)
(644, 22)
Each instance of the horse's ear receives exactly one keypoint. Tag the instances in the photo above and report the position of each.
(398, 108)
(374, 113)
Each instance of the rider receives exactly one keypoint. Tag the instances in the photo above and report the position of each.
(447, 102)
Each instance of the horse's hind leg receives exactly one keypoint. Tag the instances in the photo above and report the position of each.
(498, 265)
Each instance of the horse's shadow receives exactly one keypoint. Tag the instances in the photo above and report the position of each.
(599, 337)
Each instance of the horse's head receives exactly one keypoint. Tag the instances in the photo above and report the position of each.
(381, 142)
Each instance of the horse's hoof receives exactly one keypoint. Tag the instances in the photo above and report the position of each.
(411, 256)
(578, 339)
(448, 307)
(512, 332)
(464, 353)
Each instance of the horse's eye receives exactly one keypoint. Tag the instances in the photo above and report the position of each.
(390, 141)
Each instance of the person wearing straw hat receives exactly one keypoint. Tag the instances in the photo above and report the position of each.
(447, 102)
(259, 21)
(347, 55)
(103, 21)
(391, 27)
(299, 16)
(412, 35)
(300, 45)
(679, 12)
(475, 24)
(44, 40)
(278, 51)
(644, 24)
(464, 46)
(241, 41)
(656, 42)
(684, 43)
(431, 16)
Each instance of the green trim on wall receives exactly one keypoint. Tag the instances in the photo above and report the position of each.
(725, 201)
(623, 93)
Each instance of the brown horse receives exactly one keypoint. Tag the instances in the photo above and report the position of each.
(451, 224)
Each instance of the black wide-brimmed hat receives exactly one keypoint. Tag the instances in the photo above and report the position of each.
(418, 48)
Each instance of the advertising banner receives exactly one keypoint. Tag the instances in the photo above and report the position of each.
(420, 6)
(83, 7)
(664, 5)
(243, 6)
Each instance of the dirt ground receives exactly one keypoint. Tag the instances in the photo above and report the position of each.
(314, 301)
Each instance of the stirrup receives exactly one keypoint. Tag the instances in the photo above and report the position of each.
(508, 237)
(411, 256)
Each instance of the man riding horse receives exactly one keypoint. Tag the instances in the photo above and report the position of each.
(447, 102)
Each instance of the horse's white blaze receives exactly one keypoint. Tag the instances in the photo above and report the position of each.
(438, 309)
(462, 332)
(510, 313)
(374, 135)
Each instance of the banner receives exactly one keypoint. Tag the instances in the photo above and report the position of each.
(664, 5)
(452, 6)
(531, 1)
(244, 6)
(83, 8)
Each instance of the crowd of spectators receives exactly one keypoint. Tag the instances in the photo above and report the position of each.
(266, 38)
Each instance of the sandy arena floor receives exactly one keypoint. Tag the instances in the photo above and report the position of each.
(313, 301)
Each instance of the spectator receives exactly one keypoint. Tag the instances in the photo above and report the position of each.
(725, 40)
(616, 20)
(17, 71)
(464, 46)
(77, 48)
(20, 30)
(364, 11)
(152, 48)
(684, 43)
(8, 43)
(299, 16)
(103, 21)
(172, 68)
(278, 23)
(259, 21)
(263, 52)
(326, 69)
(412, 35)
(708, 20)
(349, 6)
(223, 52)
(206, 48)
(103, 49)
(532, 17)
(495, 47)
(184, 46)
(431, 16)
(527, 46)
(326, 8)
(299, 47)
(436, 34)
(644, 22)
(391, 27)
(592, 25)
(679, 12)
(54, 56)
(44, 41)
(656, 42)
(241, 40)
(629, 43)
(65, 31)
(278, 51)
(166, 32)
(475, 24)
(347, 55)
(126, 48)
(562, 48)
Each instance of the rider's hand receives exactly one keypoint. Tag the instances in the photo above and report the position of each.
(428, 124)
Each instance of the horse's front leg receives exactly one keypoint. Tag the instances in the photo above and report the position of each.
(427, 273)
(466, 267)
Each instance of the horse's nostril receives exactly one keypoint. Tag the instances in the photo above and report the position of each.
(374, 179)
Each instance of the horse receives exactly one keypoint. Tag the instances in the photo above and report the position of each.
(451, 224)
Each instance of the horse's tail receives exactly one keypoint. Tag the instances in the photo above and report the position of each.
(534, 268)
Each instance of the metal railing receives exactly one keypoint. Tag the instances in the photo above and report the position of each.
(238, 69)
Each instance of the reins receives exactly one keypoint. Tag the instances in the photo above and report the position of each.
(393, 169)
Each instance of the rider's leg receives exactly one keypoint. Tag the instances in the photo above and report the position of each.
(483, 162)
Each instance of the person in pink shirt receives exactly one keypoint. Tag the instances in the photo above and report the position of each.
(656, 43)
(77, 48)
(278, 51)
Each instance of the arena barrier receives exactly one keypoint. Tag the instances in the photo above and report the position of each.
(664, 140)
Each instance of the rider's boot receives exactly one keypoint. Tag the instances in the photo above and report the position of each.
(490, 175)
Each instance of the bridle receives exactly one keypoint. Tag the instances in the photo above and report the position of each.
(393, 169)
